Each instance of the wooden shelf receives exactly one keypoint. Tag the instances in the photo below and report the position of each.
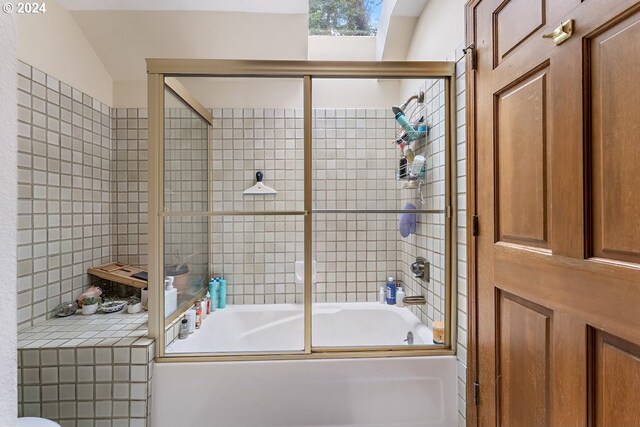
(119, 273)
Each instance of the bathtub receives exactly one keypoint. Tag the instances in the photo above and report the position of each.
(384, 392)
(387, 392)
(280, 327)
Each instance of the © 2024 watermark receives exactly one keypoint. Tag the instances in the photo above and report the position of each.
(24, 8)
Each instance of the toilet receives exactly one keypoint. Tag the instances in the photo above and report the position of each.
(36, 422)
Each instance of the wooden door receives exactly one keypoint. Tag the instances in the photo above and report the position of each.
(555, 134)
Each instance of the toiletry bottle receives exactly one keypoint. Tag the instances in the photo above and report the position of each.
(417, 165)
(208, 300)
(402, 170)
(170, 297)
(391, 291)
(382, 297)
(203, 307)
(213, 294)
(184, 328)
(408, 154)
(399, 297)
(222, 293)
(191, 318)
(198, 308)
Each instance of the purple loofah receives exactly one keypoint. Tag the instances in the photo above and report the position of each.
(408, 221)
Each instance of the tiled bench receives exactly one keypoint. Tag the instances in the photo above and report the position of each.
(87, 371)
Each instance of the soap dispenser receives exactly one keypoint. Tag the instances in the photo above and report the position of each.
(170, 297)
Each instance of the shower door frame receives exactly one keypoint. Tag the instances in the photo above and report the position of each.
(158, 70)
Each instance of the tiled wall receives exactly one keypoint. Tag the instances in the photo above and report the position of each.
(461, 191)
(129, 176)
(429, 240)
(354, 167)
(64, 192)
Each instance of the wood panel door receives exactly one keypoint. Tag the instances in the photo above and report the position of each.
(555, 133)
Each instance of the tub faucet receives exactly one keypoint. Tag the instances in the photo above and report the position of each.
(414, 300)
(420, 268)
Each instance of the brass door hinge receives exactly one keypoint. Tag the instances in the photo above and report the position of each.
(475, 226)
(470, 53)
(476, 394)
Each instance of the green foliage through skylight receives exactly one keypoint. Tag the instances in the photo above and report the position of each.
(344, 17)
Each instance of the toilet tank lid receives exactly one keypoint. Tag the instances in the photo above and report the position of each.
(36, 422)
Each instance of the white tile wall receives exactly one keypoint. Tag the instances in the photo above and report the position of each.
(429, 240)
(64, 192)
(461, 183)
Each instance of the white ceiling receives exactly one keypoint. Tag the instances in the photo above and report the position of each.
(252, 6)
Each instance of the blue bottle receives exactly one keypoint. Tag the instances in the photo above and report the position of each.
(213, 285)
(222, 294)
(391, 291)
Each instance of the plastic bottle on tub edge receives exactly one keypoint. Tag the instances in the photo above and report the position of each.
(391, 291)
(191, 320)
(222, 293)
(382, 297)
(399, 297)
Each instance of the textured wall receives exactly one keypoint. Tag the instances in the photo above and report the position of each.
(8, 113)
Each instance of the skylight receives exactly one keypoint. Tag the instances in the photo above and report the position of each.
(344, 17)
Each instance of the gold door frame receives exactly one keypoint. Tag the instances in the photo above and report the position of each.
(162, 70)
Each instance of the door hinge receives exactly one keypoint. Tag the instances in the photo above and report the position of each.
(475, 226)
(470, 53)
(476, 394)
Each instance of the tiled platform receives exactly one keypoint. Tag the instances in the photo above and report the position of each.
(87, 371)
(99, 330)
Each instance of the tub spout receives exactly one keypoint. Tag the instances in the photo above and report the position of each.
(414, 300)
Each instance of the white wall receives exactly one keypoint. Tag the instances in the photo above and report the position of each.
(352, 48)
(8, 214)
(287, 93)
(438, 32)
(53, 43)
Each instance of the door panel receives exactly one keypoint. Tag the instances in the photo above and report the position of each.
(514, 22)
(616, 382)
(556, 144)
(523, 354)
(521, 169)
(615, 95)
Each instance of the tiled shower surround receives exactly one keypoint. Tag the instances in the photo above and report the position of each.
(64, 192)
(429, 239)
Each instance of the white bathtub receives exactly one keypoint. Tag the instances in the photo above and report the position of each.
(390, 392)
(280, 327)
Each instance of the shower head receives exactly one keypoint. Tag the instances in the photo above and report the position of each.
(403, 115)
(401, 109)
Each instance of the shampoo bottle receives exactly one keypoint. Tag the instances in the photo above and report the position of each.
(213, 284)
(391, 291)
(382, 296)
(222, 294)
